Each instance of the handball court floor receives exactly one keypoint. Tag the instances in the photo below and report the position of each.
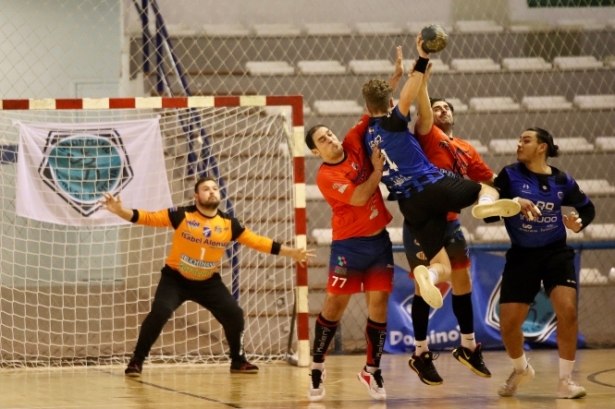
(280, 385)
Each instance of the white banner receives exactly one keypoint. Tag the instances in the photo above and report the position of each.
(63, 170)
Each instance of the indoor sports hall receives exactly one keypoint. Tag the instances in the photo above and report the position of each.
(141, 98)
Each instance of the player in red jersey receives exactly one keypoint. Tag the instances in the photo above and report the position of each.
(361, 250)
(455, 158)
(191, 271)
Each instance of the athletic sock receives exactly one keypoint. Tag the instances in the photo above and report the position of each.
(468, 341)
(433, 276)
(420, 347)
(520, 363)
(565, 368)
(375, 334)
(486, 199)
(324, 333)
(318, 365)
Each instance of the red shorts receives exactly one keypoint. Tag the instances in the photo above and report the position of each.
(356, 283)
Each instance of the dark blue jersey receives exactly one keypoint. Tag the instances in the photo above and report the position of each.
(406, 169)
(549, 193)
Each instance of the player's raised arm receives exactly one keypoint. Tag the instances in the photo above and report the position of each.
(399, 69)
(415, 79)
(424, 122)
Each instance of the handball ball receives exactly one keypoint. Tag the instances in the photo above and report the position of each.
(434, 38)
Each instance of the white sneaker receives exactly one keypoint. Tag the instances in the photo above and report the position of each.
(316, 390)
(374, 383)
(509, 388)
(430, 293)
(502, 207)
(569, 389)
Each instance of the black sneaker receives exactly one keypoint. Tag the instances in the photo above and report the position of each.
(243, 367)
(134, 369)
(423, 366)
(473, 360)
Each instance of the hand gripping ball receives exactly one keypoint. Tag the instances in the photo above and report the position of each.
(434, 38)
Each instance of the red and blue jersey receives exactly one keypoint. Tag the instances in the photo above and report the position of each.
(338, 182)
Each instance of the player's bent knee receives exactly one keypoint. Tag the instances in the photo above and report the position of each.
(161, 311)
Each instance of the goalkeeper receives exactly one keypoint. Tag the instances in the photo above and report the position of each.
(191, 271)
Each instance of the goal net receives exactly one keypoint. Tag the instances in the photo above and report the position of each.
(79, 294)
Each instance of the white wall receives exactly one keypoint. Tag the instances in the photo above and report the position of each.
(47, 48)
(195, 13)
(519, 11)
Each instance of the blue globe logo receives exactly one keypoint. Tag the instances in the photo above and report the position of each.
(85, 167)
(81, 166)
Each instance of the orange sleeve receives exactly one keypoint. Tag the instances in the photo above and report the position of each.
(427, 139)
(154, 219)
(256, 242)
(478, 170)
(335, 185)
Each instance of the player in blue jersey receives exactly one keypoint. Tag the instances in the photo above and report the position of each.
(424, 194)
(539, 254)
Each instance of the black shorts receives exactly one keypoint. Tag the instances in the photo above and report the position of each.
(455, 245)
(425, 211)
(526, 268)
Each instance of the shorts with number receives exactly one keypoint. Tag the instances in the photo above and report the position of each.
(526, 268)
(456, 247)
(361, 264)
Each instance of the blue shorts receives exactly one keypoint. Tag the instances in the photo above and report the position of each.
(361, 264)
(455, 245)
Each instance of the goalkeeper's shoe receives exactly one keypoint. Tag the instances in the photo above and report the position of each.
(243, 367)
(134, 369)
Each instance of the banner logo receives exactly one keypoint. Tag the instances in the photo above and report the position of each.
(540, 322)
(79, 166)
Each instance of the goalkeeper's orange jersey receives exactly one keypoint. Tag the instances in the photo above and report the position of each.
(199, 241)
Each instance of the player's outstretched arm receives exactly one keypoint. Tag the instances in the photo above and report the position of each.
(299, 254)
(398, 71)
(424, 121)
(114, 205)
(411, 88)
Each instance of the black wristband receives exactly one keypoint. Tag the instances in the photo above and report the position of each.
(275, 248)
(135, 216)
(421, 65)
